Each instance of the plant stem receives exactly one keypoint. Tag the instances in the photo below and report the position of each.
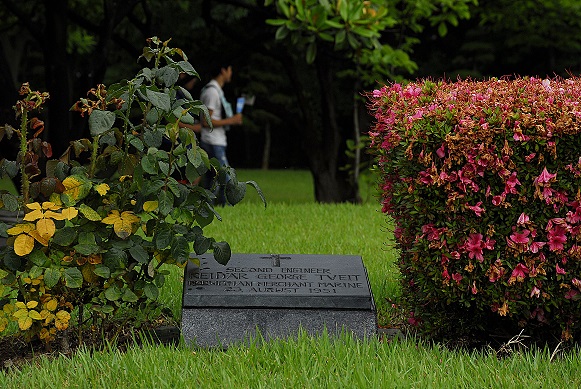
(23, 149)
(94, 156)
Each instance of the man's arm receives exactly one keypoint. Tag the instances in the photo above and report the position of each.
(231, 121)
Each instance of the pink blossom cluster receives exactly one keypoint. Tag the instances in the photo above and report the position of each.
(483, 182)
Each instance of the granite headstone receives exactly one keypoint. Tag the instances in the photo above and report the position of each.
(275, 295)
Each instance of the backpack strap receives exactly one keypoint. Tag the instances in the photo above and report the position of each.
(226, 106)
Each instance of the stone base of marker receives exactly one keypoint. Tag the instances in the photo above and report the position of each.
(277, 296)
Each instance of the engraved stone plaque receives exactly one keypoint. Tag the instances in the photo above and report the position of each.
(276, 295)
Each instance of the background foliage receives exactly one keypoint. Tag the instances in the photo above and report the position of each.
(72, 45)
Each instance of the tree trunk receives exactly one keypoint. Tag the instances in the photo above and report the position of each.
(331, 184)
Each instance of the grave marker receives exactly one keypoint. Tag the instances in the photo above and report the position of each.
(277, 295)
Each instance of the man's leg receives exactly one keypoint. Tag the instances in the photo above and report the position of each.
(218, 152)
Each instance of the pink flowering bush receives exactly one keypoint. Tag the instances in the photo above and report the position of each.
(483, 182)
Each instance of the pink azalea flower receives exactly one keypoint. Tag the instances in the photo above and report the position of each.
(520, 238)
(547, 194)
(457, 277)
(474, 247)
(574, 217)
(489, 244)
(576, 282)
(446, 275)
(535, 246)
(535, 292)
(557, 238)
(519, 136)
(530, 157)
(539, 314)
(511, 183)
(523, 219)
(545, 177)
(476, 208)
(474, 289)
(425, 178)
(441, 152)
(413, 320)
(571, 293)
(518, 274)
(496, 200)
(547, 85)
(560, 270)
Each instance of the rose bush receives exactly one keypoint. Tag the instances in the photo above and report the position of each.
(95, 231)
(482, 180)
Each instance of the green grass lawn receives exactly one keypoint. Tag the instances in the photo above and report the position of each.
(293, 223)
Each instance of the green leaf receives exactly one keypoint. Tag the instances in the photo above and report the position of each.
(162, 239)
(113, 293)
(51, 277)
(364, 32)
(165, 202)
(102, 271)
(258, 190)
(64, 236)
(73, 277)
(159, 100)
(89, 213)
(159, 279)
(335, 24)
(8, 279)
(281, 33)
(153, 187)
(100, 121)
(153, 138)
(202, 244)
(275, 22)
(149, 164)
(10, 167)
(151, 291)
(235, 191)
(13, 262)
(222, 252)
(137, 143)
(106, 309)
(187, 68)
(115, 258)
(38, 257)
(168, 75)
(152, 116)
(86, 249)
(164, 167)
(139, 254)
(205, 215)
(442, 29)
(180, 249)
(10, 202)
(340, 37)
(129, 296)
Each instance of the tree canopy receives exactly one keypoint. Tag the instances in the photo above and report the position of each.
(308, 62)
